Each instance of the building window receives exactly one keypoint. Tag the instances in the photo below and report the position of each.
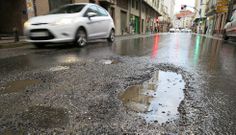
(123, 4)
(137, 4)
(133, 3)
(57, 3)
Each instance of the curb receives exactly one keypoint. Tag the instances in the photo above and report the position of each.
(24, 43)
(209, 36)
(13, 44)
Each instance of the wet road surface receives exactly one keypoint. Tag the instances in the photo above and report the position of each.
(62, 89)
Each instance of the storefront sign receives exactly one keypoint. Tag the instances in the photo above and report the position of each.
(222, 6)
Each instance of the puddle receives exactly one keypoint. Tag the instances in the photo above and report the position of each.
(108, 62)
(59, 68)
(69, 58)
(18, 85)
(46, 117)
(158, 99)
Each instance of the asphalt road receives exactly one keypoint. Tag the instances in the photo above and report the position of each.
(106, 88)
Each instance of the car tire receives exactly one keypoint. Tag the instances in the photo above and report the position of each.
(111, 37)
(81, 38)
(225, 37)
(39, 45)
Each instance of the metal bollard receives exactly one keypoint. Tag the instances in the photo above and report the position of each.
(16, 34)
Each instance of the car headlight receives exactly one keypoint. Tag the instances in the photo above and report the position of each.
(63, 22)
(26, 24)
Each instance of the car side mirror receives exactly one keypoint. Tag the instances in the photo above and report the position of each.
(91, 14)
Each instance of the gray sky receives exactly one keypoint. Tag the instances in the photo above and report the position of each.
(178, 4)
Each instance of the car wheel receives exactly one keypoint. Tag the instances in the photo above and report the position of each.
(225, 37)
(81, 38)
(39, 45)
(111, 37)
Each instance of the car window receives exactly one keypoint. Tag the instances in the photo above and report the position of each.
(102, 12)
(92, 9)
(67, 9)
(233, 16)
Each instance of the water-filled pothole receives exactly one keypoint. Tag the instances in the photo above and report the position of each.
(46, 117)
(19, 85)
(158, 99)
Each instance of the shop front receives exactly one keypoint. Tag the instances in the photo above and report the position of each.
(134, 24)
(13, 14)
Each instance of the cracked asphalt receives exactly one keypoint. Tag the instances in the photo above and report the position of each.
(62, 89)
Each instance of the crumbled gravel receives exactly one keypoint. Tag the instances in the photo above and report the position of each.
(83, 99)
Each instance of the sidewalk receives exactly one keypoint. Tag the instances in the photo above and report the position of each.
(8, 42)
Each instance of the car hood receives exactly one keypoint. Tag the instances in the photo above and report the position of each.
(50, 18)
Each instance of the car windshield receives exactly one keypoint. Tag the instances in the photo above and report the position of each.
(233, 16)
(68, 9)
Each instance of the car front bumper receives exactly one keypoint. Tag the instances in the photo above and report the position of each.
(50, 34)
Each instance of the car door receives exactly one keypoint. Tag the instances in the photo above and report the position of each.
(94, 24)
(231, 30)
(105, 21)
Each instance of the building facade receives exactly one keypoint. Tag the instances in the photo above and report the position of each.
(216, 13)
(130, 16)
(183, 19)
(200, 16)
(166, 9)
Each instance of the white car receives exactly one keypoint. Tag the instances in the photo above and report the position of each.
(172, 30)
(230, 27)
(189, 30)
(177, 30)
(186, 30)
(75, 23)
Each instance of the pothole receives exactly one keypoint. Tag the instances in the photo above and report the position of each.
(16, 86)
(46, 117)
(158, 99)
(59, 68)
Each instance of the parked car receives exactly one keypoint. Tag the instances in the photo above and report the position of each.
(75, 23)
(189, 30)
(177, 30)
(230, 27)
(172, 30)
(182, 30)
(186, 30)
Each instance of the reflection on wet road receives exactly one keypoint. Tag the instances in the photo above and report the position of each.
(157, 99)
